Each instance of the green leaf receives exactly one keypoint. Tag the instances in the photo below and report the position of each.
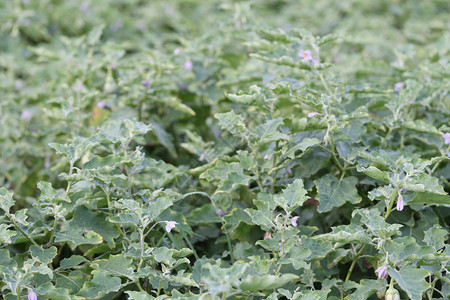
(295, 194)
(430, 198)
(233, 123)
(374, 173)
(100, 285)
(206, 214)
(49, 291)
(263, 215)
(436, 237)
(6, 234)
(76, 149)
(296, 257)
(115, 265)
(411, 280)
(335, 192)
(302, 146)
(268, 132)
(72, 261)
(139, 296)
(424, 183)
(45, 256)
(366, 288)
(86, 219)
(6, 200)
(266, 282)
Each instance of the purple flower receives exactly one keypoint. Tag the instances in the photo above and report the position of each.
(47, 163)
(84, 7)
(176, 51)
(26, 1)
(26, 23)
(79, 86)
(398, 86)
(32, 295)
(382, 273)
(116, 26)
(26, 115)
(403, 191)
(312, 114)
(146, 83)
(315, 61)
(306, 55)
(18, 84)
(267, 235)
(113, 66)
(289, 170)
(221, 213)
(400, 203)
(101, 104)
(188, 65)
(170, 225)
(446, 137)
(294, 221)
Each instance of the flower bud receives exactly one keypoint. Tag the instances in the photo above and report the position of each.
(392, 294)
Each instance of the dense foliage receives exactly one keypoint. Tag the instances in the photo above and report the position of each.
(192, 149)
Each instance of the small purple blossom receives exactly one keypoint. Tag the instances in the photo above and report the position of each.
(79, 86)
(26, 115)
(312, 114)
(403, 190)
(170, 225)
(26, 1)
(294, 221)
(267, 235)
(18, 85)
(32, 295)
(400, 203)
(176, 51)
(306, 55)
(188, 65)
(398, 86)
(101, 104)
(47, 163)
(84, 7)
(289, 170)
(315, 61)
(116, 26)
(113, 66)
(382, 272)
(446, 137)
(26, 23)
(146, 83)
(221, 213)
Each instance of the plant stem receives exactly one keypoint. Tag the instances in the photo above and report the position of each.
(333, 154)
(364, 246)
(221, 220)
(189, 243)
(52, 234)
(22, 232)
(391, 204)
(325, 85)
(350, 270)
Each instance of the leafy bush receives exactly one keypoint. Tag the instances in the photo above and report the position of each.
(224, 149)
